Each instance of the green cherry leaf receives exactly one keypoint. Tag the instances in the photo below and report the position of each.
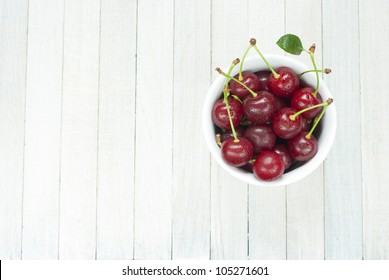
(291, 44)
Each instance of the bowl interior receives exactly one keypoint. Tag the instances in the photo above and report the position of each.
(327, 124)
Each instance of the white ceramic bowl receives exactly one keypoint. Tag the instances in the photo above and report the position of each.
(327, 124)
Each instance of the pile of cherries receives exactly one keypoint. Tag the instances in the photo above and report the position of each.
(265, 120)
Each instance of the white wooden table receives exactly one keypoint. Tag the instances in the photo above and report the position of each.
(101, 148)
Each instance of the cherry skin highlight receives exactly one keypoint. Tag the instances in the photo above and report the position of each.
(237, 153)
(220, 113)
(286, 84)
(250, 80)
(302, 148)
(268, 166)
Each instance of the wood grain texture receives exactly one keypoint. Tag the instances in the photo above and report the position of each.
(228, 195)
(154, 124)
(13, 44)
(43, 130)
(191, 161)
(305, 199)
(115, 197)
(267, 207)
(374, 82)
(77, 236)
(343, 174)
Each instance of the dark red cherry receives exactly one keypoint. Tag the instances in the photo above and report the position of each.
(220, 114)
(286, 84)
(283, 126)
(228, 133)
(283, 151)
(302, 148)
(237, 153)
(249, 166)
(260, 109)
(281, 102)
(304, 98)
(262, 137)
(268, 166)
(307, 124)
(250, 80)
(263, 76)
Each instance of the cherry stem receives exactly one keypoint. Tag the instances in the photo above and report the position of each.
(218, 140)
(252, 40)
(234, 62)
(295, 115)
(311, 51)
(236, 80)
(275, 74)
(326, 71)
(317, 119)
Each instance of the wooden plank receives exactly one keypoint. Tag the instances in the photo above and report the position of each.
(43, 130)
(13, 44)
(305, 199)
(228, 195)
(115, 198)
(343, 174)
(154, 124)
(191, 165)
(375, 176)
(267, 207)
(77, 238)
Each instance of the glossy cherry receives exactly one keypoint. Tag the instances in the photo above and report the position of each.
(250, 80)
(262, 137)
(284, 126)
(268, 166)
(227, 133)
(304, 98)
(260, 109)
(307, 124)
(220, 113)
(303, 147)
(237, 153)
(285, 84)
(283, 151)
(263, 76)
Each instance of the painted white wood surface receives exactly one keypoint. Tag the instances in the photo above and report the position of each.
(374, 82)
(79, 137)
(87, 170)
(13, 57)
(43, 130)
(154, 124)
(115, 184)
(343, 182)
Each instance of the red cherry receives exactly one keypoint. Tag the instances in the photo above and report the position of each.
(250, 80)
(228, 133)
(286, 84)
(302, 148)
(237, 153)
(263, 76)
(283, 151)
(268, 166)
(220, 113)
(262, 137)
(304, 98)
(284, 127)
(260, 109)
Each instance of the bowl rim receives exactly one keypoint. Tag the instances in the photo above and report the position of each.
(254, 63)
